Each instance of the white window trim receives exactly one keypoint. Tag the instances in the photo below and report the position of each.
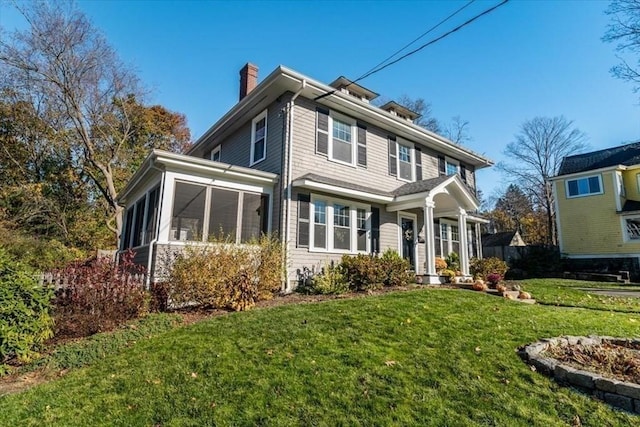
(625, 235)
(587, 177)
(216, 151)
(353, 225)
(259, 117)
(354, 138)
(449, 161)
(449, 241)
(412, 153)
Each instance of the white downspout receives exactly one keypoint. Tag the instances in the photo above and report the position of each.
(287, 225)
(153, 242)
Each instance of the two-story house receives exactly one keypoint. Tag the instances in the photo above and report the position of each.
(598, 209)
(319, 165)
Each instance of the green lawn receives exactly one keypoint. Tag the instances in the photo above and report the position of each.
(424, 357)
(572, 293)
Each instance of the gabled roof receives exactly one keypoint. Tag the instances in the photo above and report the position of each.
(504, 238)
(420, 186)
(627, 155)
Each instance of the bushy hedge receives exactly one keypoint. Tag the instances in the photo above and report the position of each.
(99, 295)
(481, 268)
(25, 319)
(226, 276)
(360, 273)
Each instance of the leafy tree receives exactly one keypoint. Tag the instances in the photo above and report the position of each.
(85, 102)
(515, 204)
(624, 30)
(536, 154)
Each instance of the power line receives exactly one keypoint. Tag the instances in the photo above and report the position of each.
(429, 43)
(420, 36)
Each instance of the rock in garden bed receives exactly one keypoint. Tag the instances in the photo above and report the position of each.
(607, 368)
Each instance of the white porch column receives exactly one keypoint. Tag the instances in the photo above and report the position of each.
(429, 243)
(464, 250)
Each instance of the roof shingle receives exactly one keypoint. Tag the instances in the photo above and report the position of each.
(626, 155)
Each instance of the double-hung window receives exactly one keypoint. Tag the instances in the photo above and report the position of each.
(586, 186)
(342, 147)
(339, 226)
(405, 162)
(259, 138)
(452, 166)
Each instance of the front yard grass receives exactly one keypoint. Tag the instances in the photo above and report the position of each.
(573, 293)
(424, 357)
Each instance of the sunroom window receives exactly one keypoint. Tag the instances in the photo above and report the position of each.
(232, 216)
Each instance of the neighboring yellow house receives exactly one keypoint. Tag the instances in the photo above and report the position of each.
(597, 198)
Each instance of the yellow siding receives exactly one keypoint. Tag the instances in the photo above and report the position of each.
(631, 184)
(590, 225)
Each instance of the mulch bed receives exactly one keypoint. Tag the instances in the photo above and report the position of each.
(609, 360)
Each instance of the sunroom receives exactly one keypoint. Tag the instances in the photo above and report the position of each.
(175, 200)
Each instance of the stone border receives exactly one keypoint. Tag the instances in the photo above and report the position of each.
(623, 395)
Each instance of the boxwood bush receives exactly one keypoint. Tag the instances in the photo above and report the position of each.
(25, 318)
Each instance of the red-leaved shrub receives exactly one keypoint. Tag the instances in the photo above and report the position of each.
(99, 295)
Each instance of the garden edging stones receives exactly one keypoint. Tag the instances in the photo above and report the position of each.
(621, 394)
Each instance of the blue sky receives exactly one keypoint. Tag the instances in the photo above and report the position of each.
(526, 59)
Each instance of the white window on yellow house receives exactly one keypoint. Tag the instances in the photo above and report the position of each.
(633, 228)
(586, 186)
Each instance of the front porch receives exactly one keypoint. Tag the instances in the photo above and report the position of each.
(436, 218)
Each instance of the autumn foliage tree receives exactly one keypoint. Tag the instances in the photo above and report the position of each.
(67, 98)
(535, 156)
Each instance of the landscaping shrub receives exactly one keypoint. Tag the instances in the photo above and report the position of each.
(483, 267)
(441, 264)
(363, 272)
(226, 276)
(453, 261)
(25, 319)
(396, 269)
(99, 295)
(538, 261)
(330, 280)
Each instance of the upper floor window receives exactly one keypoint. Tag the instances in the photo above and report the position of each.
(259, 138)
(215, 154)
(452, 166)
(404, 160)
(340, 139)
(341, 147)
(584, 186)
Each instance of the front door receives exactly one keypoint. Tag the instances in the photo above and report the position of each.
(407, 238)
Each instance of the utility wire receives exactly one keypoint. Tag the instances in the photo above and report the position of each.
(419, 37)
(429, 43)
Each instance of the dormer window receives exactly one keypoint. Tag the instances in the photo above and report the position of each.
(215, 154)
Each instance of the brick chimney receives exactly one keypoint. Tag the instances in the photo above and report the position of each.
(248, 79)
